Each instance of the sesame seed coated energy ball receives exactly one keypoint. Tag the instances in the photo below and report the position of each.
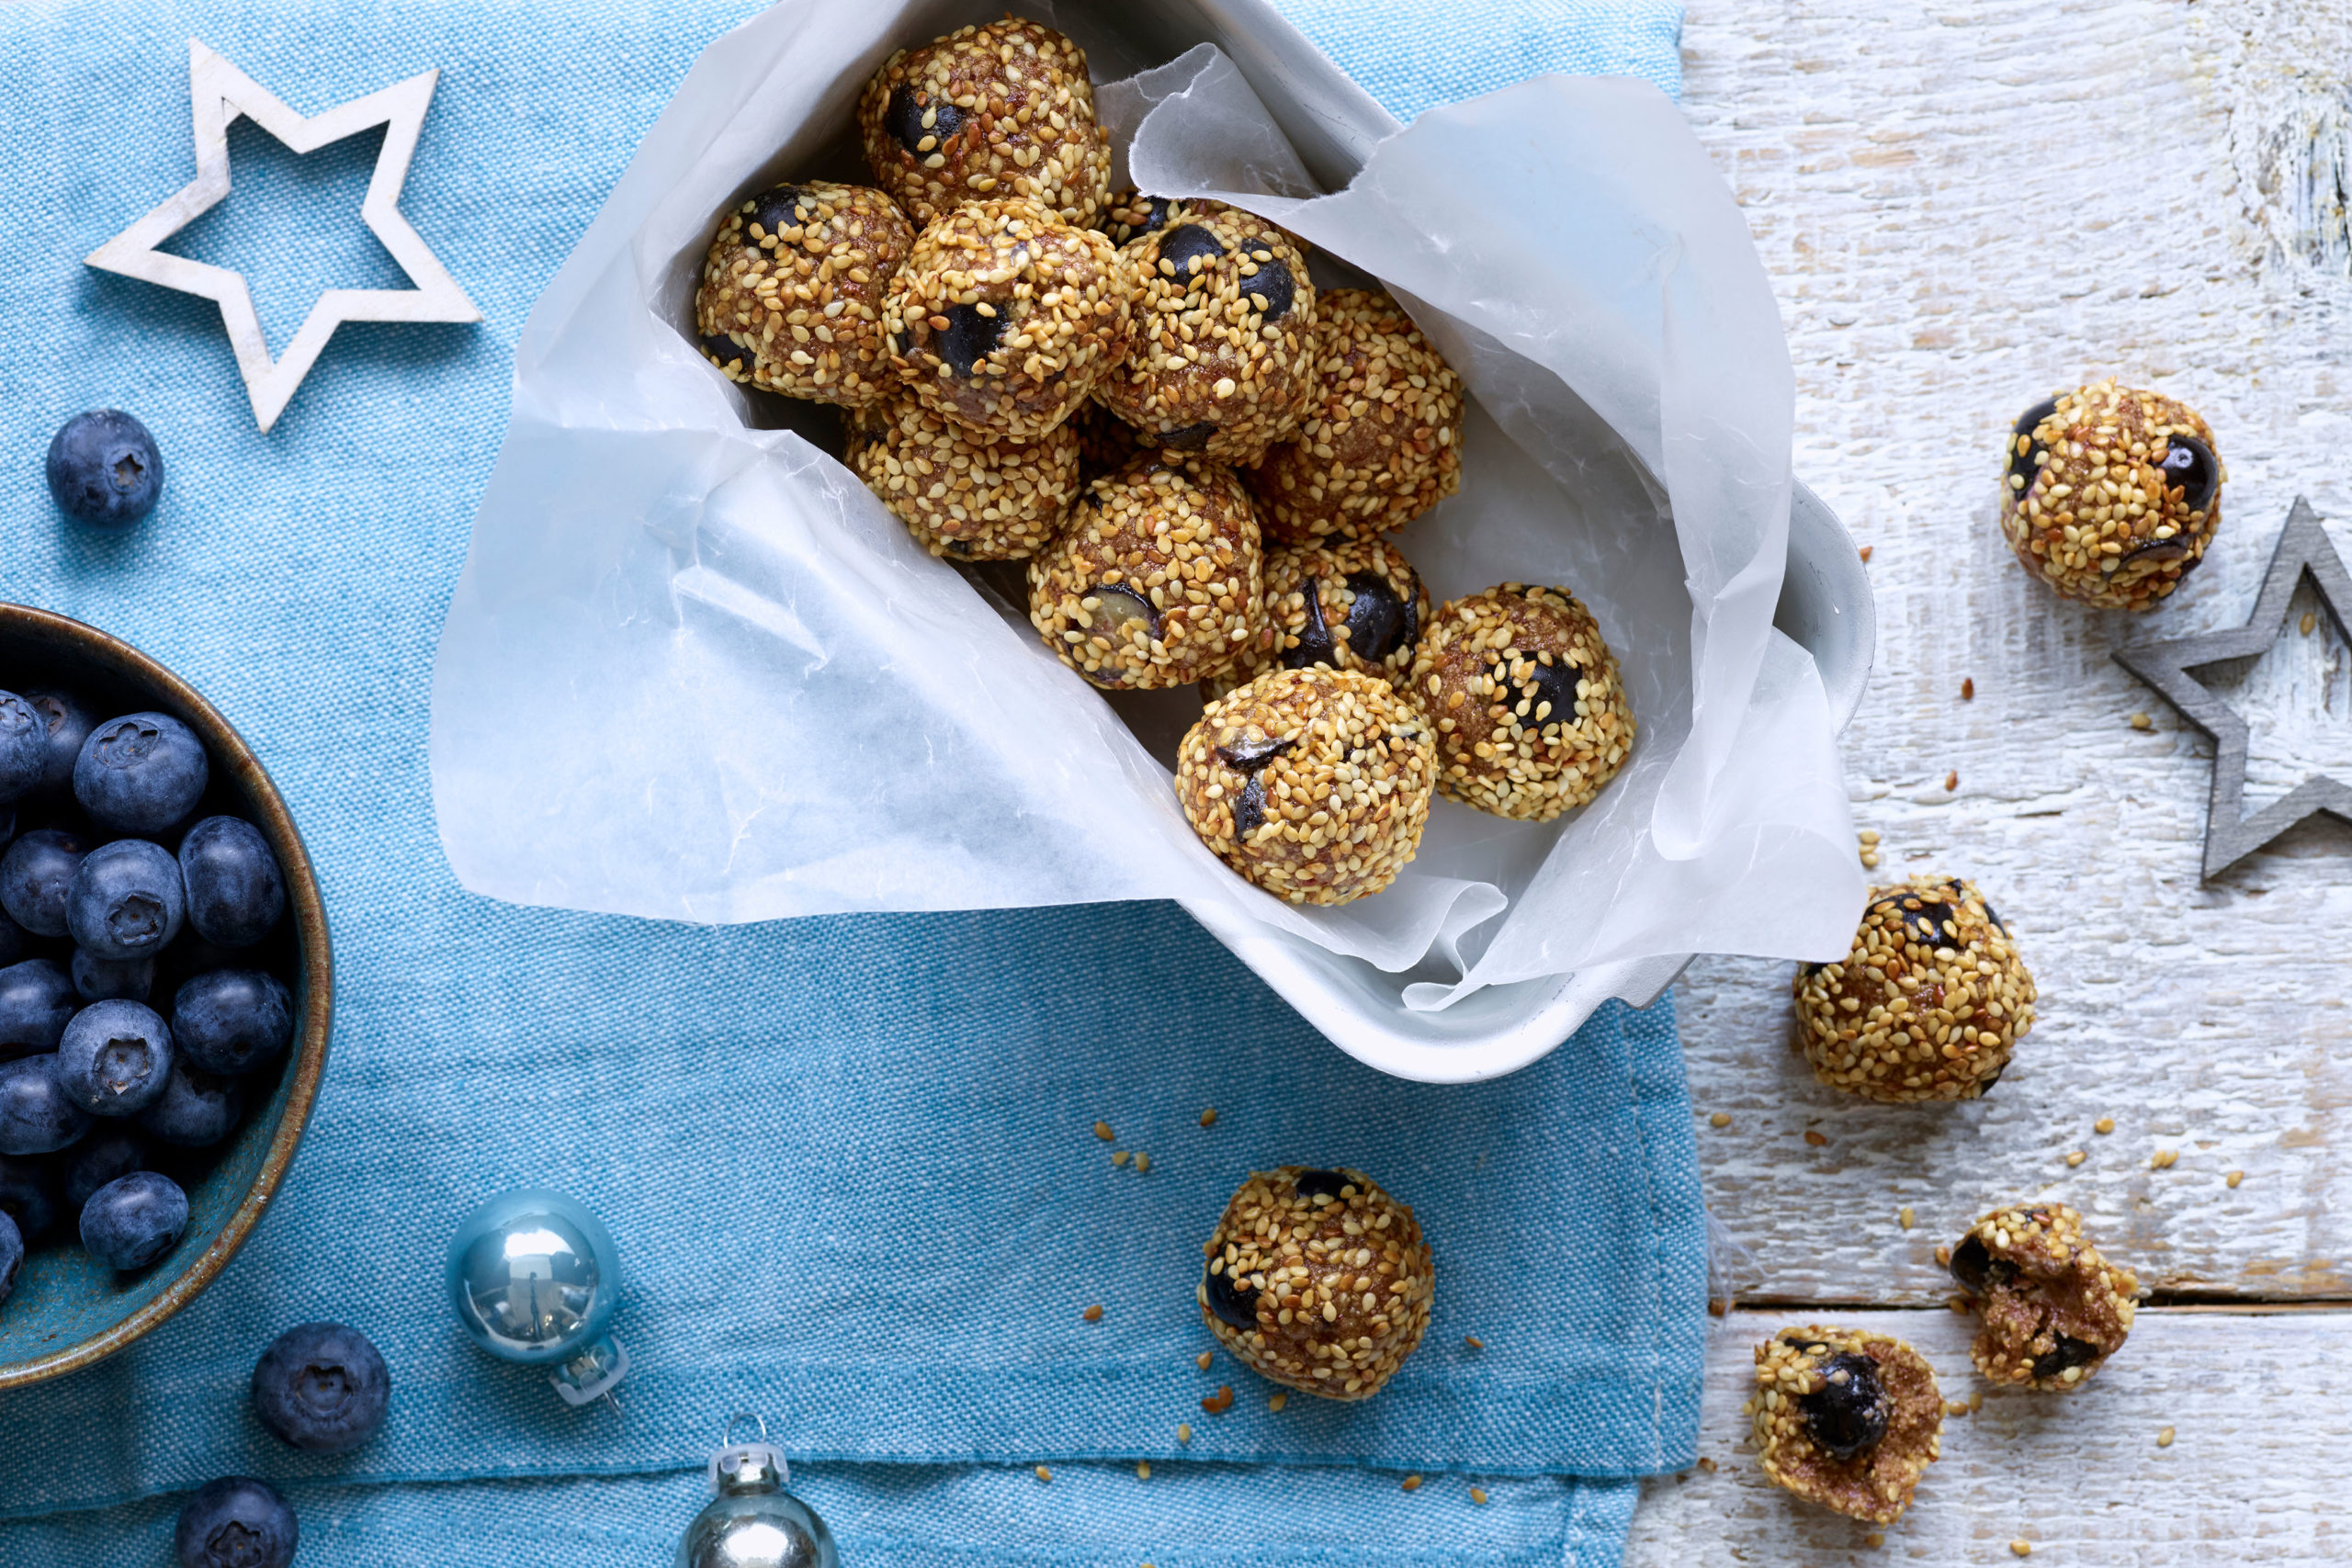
(1003, 317)
(1531, 712)
(1004, 109)
(1313, 785)
(1845, 1418)
(1344, 603)
(1319, 1281)
(964, 498)
(2111, 494)
(1221, 362)
(792, 291)
(1380, 441)
(2053, 1309)
(1130, 215)
(1930, 1004)
(1156, 579)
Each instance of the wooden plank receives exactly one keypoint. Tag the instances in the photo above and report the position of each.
(2253, 1401)
(1964, 208)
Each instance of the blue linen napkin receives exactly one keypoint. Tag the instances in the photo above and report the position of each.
(848, 1161)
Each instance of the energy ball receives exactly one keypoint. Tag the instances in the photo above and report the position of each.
(1222, 362)
(1319, 1281)
(1531, 712)
(1929, 1005)
(1342, 603)
(2053, 1309)
(1847, 1419)
(792, 291)
(1380, 441)
(1130, 215)
(1157, 578)
(1003, 109)
(1313, 783)
(2111, 494)
(964, 498)
(1004, 317)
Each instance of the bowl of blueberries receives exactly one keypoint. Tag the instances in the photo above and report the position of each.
(165, 994)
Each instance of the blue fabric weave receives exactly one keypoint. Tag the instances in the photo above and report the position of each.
(848, 1161)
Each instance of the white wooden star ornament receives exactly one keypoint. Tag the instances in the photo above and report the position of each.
(219, 93)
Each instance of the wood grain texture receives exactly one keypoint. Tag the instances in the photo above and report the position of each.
(2252, 1400)
(1964, 208)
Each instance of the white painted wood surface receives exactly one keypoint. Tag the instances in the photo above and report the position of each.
(1965, 208)
(2256, 1404)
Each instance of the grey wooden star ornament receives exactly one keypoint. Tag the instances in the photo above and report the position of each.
(2230, 834)
(219, 93)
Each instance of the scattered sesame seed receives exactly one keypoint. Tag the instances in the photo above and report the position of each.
(1816, 1139)
(1868, 835)
(2141, 721)
(1869, 860)
(1143, 1472)
(2022, 1548)
(1951, 781)
(1118, 1157)
(1706, 1465)
(1143, 1163)
(1093, 1313)
(1220, 1402)
(2164, 1436)
(2233, 1177)
(1943, 1255)
(1044, 1474)
(1411, 1483)
(1955, 1407)
(1874, 1539)
(2311, 622)
(1720, 1119)
(1976, 1402)
(1959, 1304)
(2105, 1124)
(1208, 1117)
(1103, 1131)
(1904, 1218)
(1478, 1496)
(1967, 688)
(2162, 1160)
(1183, 1432)
(1474, 1342)
(1866, 552)
(1277, 1400)
(1203, 1361)
(2075, 1157)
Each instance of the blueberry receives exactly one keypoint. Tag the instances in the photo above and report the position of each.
(237, 1522)
(23, 749)
(1978, 1271)
(970, 337)
(1271, 283)
(1249, 807)
(1379, 623)
(36, 1115)
(2071, 1352)
(35, 875)
(232, 1020)
(323, 1388)
(116, 1058)
(2188, 466)
(1119, 606)
(1555, 684)
(1314, 644)
(133, 1219)
(12, 1256)
(1924, 925)
(1314, 1184)
(16, 942)
(1847, 1414)
(1188, 438)
(127, 900)
(110, 979)
(113, 1150)
(104, 468)
(140, 773)
(1184, 245)
(2023, 449)
(67, 724)
(36, 1002)
(198, 1109)
(28, 1190)
(1234, 1306)
(725, 352)
(1248, 756)
(778, 210)
(235, 892)
(903, 120)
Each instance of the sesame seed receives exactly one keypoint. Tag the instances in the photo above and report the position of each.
(2104, 1125)
(1955, 1407)
(1706, 1465)
(2141, 721)
(1813, 1138)
(1967, 689)
(1473, 1341)
(1903, 1218)
(2233, 1178)
(1874, 1539)
(1866, 553)
(2164, 1436)
(1183, 1432)
(2076, 1157)
(1143, 1472)
(1411, 1484)
(2163, 1159)
(1951, 781)
(2022, 1548)
(1720, 1119)
(1093, 1313)
(1118, 1157)
(1208, 1117)
(1478, 1496)
(1143, 1163)
(1277, 1400)
(2311, 622)
(1103, 1131)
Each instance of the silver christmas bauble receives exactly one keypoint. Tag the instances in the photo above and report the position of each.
(754, 1522)
(535, 1278)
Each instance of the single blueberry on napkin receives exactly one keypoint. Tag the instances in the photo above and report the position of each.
(849, 1162)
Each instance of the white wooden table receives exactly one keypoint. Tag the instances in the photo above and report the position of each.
(1965, 208)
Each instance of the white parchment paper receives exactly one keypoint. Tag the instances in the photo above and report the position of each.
(694, 670)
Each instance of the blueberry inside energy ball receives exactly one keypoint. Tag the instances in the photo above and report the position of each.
(1847, 1419)
(792, 292)
(1531, 711)
(2110, 495)
(1343, 604)
(1313, 785)
(2053, 1310)
(1130, 215)
(1927, 1006)
(1002, 109)
(1225, 317)
(1155, 581)
(1319, 1281)
(1380, 440)
(962, 497)
(1004, 317)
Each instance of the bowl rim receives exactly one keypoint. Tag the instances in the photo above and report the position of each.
(309, 910)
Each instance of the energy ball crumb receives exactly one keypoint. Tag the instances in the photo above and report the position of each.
(1003, 109)
(1951, 781)
(2111, 494)
(1865, 553)
(1317, 1280)
(2054, 1310)
(1845, 1418)
(1380, 440)
(793, 290)
(1342, 605)
(1531, 711)
(1874, 1539)
(964, 497)
(1929, 1005)
(1312, 785)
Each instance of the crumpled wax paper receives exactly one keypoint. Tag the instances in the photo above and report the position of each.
(694, 670)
